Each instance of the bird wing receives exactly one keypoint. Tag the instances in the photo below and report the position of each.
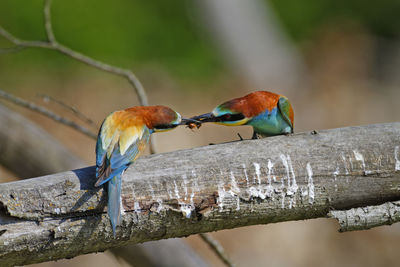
(286, 110)
(118, 146)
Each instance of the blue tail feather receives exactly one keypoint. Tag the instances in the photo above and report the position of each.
(117, 172)
(114, 201)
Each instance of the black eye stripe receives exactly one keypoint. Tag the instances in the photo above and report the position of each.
(231, 117)
(165, 126)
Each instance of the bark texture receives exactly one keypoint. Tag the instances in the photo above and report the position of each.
(204, 189)
(367, 217)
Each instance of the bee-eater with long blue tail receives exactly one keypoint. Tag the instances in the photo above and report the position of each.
(122, 137)
(268, 113)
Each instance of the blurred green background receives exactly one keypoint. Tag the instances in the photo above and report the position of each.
(337, 61)
(129, 34)
(303, 18)
(135, 33)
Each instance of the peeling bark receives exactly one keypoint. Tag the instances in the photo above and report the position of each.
(204, 189)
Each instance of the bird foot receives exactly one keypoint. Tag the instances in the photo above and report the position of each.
(255, 136)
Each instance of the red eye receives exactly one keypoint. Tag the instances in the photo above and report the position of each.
(228, 116)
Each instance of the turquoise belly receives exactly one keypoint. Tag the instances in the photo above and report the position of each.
(270, 123)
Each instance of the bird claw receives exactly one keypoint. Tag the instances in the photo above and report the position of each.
(255, 136)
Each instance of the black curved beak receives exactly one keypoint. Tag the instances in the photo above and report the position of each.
(185, 121)
(207, 117)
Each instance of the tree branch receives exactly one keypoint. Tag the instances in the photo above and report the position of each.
(52, 44)
(217, 248)
(199, 190)
(23, 43)
(74, 110)
(47, 21)
(367, 217)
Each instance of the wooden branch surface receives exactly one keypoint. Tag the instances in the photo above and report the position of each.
(367, 217)
(203, 189)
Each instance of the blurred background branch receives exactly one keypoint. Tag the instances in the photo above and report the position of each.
(255, 45)
(74, 110)
(47, 113)
(47, 22)
(216, 246)
(55, 45)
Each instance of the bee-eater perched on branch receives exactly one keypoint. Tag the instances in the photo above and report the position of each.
(268, 113)
(122, 137)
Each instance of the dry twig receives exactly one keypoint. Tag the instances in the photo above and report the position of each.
(53, 44)
(74, 110)
(217, 248)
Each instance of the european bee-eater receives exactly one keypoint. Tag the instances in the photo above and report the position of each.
(123, 135)
(268, 113)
